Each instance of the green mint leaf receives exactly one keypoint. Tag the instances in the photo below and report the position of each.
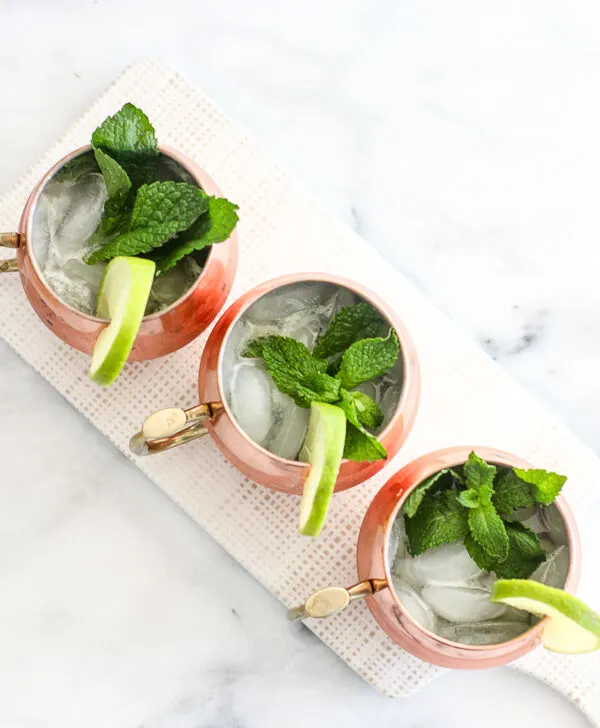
(525, 553)
(349, 325)
(129, 138)
(478, 473)
(440, 519)
(479, 555)
(545, 485)
(128, 132)
(367, 410)
(511, 493)
(294, 370)
(361, 446)
(367, 359)
(77, 168)
(415, 499)
(117, 207)
(116, 178)
(160, 211)
(469, 498)
(215, 226)
(488, 530)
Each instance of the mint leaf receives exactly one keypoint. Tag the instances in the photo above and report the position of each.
(351, 324)
(77, 168)
(215, 226)
(126, 133)
(117, 207)
(545, 485)
(478, 473)
(361, 446)
(525, 553)
(488, 530)
(367, 410)
(415, 499)
(367, 359)
(116, 178)
(129, 138)
(479, 555)
(160, 211)
(440, 519)
(469, 498)
(294, 370)
(511, 493)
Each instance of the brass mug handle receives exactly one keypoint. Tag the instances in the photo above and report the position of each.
(334, 599)
(170, 427)
(9, 240)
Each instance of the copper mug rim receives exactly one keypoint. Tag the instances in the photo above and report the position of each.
(217, 406)
(503, 459)
(165, 150)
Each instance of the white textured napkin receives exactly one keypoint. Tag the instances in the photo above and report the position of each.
(467, 398)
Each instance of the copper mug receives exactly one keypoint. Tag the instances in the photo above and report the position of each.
(161, 333)
(171, 427)
(375, 579)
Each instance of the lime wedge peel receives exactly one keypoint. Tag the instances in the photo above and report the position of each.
(122, 298)
(323, 450)
(573, 628)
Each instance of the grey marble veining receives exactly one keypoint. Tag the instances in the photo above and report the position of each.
(462, 141)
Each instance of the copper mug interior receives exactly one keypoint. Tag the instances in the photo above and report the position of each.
(161, 333)
(172, 427)
(375, 579)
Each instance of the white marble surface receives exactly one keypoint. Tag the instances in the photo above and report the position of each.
(463, 141)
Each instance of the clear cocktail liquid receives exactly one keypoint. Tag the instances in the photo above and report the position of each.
(66, 216)
(301, 311)
(447, 593)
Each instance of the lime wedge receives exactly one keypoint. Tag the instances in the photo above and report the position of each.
(323, 450)
(122, 298)
(573, 627)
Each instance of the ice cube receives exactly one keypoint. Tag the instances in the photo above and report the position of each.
(482, 633)
(67, 214)
(555, 525)
(283, 302)
(251, 400)
(75, 210)
(371, 389)
(306, 326)
(448, 564)
(461, 604)
(390, 390)
(533, 521)
(231, 354)
(414, 605)
(553, 571)
(397, 546)
(171, 286)
(290, 424)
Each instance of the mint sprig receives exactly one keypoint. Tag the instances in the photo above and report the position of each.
(486, 499)
(144, 215)
(308, 377)
(368, 359)
(349, 325)
(440, 519)
(161, 210)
